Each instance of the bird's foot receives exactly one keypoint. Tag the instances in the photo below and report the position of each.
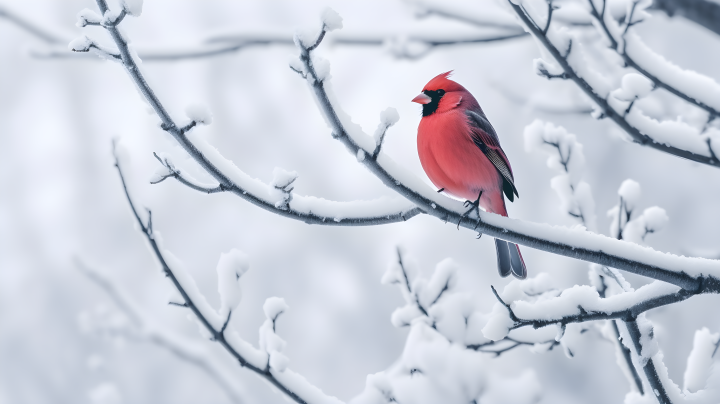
(473, 205)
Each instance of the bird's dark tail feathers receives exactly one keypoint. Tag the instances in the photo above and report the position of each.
(509, 259)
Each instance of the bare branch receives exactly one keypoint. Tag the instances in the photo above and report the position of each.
(585, 245)
(607, 110)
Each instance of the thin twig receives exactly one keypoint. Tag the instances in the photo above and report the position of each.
(649, 364)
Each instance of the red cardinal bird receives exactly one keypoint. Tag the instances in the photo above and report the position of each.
(460, 152)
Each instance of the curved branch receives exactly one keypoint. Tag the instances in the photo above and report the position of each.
(238, 183)
(644, 70)
(609, 112)
(217, 333)
(702, 12)
(574, 243)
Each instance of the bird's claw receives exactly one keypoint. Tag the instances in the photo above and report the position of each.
(473, 206)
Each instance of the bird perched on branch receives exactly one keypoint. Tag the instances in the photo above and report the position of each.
(461, 154)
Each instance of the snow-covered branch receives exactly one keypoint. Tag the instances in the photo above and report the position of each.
(689, 86)
(583, 303)
(269, 362)
(576, 243)
(422, 297)
(231, 179)
(670, 137)
(144, 329)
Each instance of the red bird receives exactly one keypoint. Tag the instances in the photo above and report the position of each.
(460, 152)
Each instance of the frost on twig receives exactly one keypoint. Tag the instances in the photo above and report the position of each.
(623, 226)
(214, 325)
(139, 327)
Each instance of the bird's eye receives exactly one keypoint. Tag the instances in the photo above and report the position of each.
(441, 92)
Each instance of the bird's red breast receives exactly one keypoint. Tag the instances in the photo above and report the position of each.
(448, 146)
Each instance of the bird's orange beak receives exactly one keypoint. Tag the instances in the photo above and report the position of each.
(422, 99)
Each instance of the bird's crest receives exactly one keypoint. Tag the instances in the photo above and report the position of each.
(442, 81)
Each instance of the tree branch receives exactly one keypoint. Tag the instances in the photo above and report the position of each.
(608, 111)
(626, 306)
(573, 243)
(238, 182)
(703, 12)
(649, 365)
(217, 335)
(185, 350)
(644, 70)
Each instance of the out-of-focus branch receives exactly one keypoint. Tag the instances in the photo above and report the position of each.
(238, 182)
(702, 12)
(41, 33)
(619, 118)
(494, 347)
(217, 334)
(622, 51)
(146, 330)
(612, 253)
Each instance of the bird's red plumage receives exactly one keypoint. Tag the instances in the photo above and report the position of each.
(448, 154)
(460, 153)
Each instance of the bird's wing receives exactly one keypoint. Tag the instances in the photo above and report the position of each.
(484, 136)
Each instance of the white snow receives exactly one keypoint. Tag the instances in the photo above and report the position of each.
(199, 113)
(331, 19)
(273, 307)
(80, 44)
(133, 7)
(630, 192)
(282, 178)
(700, 361)
(231, 266)
(634, 86)
(86, 16)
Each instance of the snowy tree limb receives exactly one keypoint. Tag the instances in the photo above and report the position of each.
(494, 347)
(649, 365)
(149, 331)
(599, 16)
(238, 182)
(619, 118)
(702, 12)
(579, 306)
(282, 380)
(572, 243)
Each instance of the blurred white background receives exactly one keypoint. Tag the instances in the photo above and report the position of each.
(60, 198)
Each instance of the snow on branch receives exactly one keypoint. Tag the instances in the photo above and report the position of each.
(445, 323)
(268, 362)
(580, 304)
(699, 90)
(694, 274)
(144, 329)
(229, 177)
(673, 137)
